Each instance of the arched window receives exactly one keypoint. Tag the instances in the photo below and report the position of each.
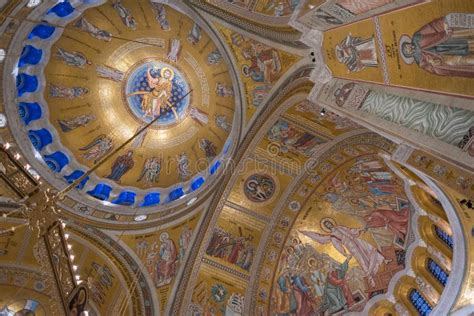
(444, 236)
(437, 272)
(420, 303)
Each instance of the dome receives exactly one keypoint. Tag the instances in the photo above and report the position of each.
(236, 157)
(88, 95)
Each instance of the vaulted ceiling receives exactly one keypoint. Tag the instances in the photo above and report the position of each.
(233, 166)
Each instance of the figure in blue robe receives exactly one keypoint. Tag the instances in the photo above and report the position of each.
(121, 166)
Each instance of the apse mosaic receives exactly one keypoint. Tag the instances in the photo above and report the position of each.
(106, 78)
(102, 277)
(347, 243)
(432, 52)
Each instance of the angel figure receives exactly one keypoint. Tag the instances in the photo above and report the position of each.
(96, 149)
(94, 31)
(208, 147)
(72, 58)
(221, 122)
(194, 35)
(125, 15)
(175, 47)
(107, 72)
(183, 166)
(160, 15)
(214, 57)
(158, 98)
(348, 242)
(223, 90)
(68, 125)
(199, 116)
(151, 171)
(67, 92)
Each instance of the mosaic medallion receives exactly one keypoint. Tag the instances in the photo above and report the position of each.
(259, 188)
(154, 88)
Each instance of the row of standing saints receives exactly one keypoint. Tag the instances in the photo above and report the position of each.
(443, 47)
(155, 100)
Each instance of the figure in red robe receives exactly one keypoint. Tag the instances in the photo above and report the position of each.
(167, 264)
(443, 47)
(395, 221)
(236, 249)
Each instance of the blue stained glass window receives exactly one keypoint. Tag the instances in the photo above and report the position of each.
(197, 183)
(420, 303)
(26, 83)
(62, 9)
(76, 175)
(438, 272)
(29, 111)
(101, 191)
(215, 167)
(40, 138)
(56, 161)
(30, 55)
(176, 194)
(42, 31)
(444, 236)
(125, 198)
(151, 199)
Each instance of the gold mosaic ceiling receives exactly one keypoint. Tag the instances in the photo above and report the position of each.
(117, 67)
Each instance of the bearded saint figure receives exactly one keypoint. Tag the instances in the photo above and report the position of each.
(443, 47)
(167, 264)
(123, 164)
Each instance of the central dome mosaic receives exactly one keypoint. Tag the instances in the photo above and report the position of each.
(112, 70)
(157, 89)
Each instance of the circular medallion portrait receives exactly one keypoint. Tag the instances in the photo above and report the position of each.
(156, 89)
(259, 188)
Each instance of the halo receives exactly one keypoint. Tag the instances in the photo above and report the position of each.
(405, 39)
(327, 219)
(245, 70)
(163, 71)
(164, 235)
(312, 262)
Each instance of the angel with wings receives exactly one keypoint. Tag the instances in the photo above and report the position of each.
(96, 149)
(151, 171)
(346, 240)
